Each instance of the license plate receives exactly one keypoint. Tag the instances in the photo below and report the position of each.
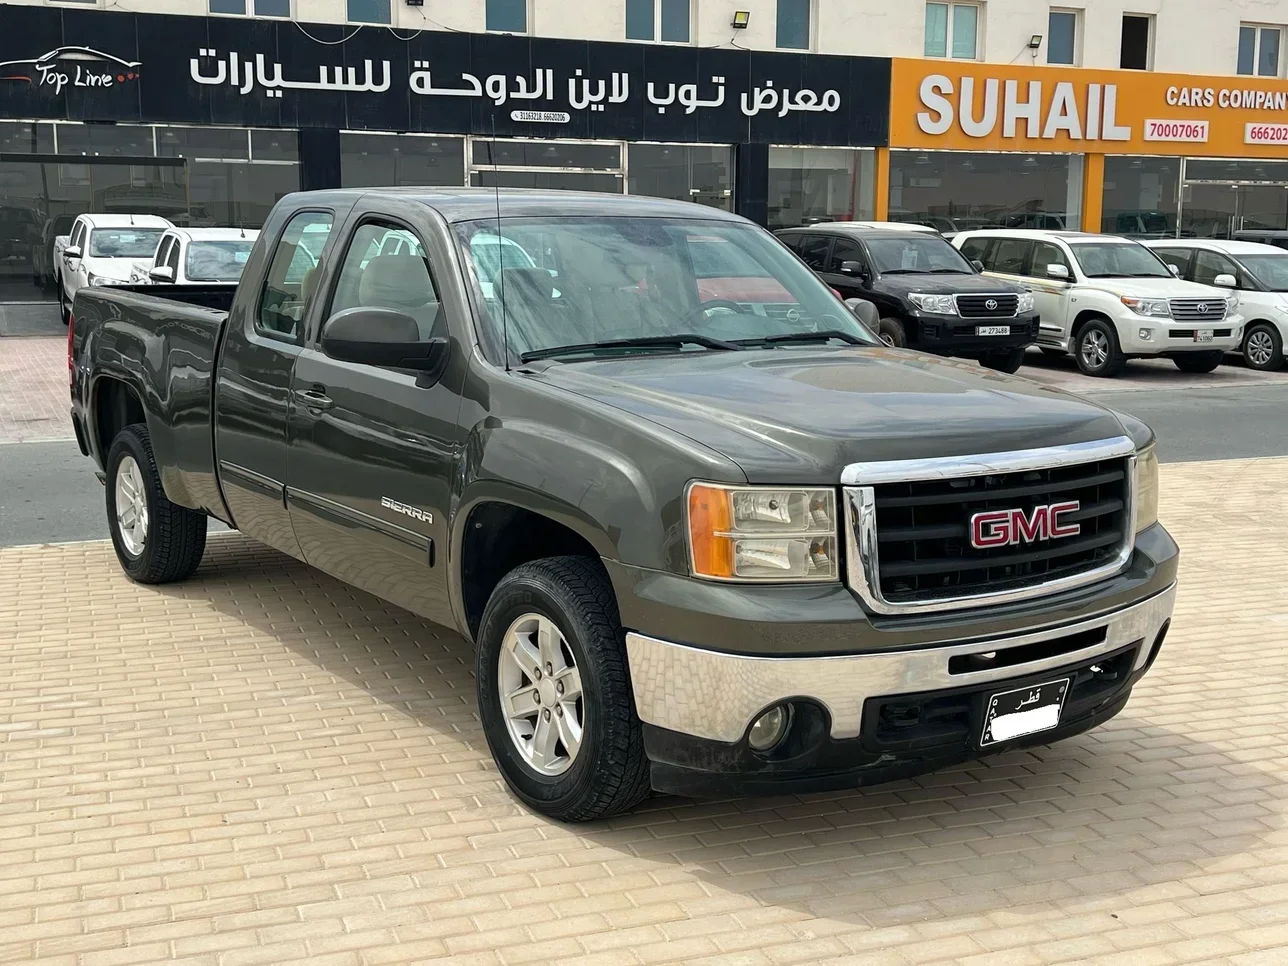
(1024, 711)
(992, 330)
(1202, 335)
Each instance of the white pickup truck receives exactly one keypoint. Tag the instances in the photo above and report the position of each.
(102, 251)
(196, 256)
(1108, 299)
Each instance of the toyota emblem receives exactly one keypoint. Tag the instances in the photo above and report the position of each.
(1202, 308)
(991, 305)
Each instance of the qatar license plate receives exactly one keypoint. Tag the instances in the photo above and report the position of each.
(1202, 335)
(992, 330)
(1024, 711)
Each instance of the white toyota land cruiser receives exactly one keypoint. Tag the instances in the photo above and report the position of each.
(1108, 299)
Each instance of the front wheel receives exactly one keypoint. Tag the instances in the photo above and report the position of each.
(64, 306)
(1096, 349)
(555, 694)
(1263, 348)
(156, 541)
(1199, 361)
(891, 332)
(1003, 360)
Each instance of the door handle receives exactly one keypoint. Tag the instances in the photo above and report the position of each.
(314, 400)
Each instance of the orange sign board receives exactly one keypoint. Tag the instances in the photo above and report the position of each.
(951, 105)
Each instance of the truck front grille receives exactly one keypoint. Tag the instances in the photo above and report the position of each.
(1198, 310)
(949, 540)
(1001, 306)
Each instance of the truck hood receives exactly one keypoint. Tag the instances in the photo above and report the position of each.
(118, 269)
(1158, 288)
(931, 284)
(800, 415)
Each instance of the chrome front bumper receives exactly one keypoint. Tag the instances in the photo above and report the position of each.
(715, 695)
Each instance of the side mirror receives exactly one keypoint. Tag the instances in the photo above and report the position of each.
(162, 273)
(1057, 271)
(1174, 269)
(72, 251)
(865, 312)
(979, 266)
(1225, 281)
(381, 337)
(852, 268)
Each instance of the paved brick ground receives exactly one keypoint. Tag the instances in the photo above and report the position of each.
(263, 766)
(34, 401)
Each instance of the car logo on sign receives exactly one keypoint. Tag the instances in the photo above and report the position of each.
(1003, 528)
(991, 305)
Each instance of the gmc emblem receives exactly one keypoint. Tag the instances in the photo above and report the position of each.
(1002, 528)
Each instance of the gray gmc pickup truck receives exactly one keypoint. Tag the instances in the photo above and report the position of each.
(708, 535)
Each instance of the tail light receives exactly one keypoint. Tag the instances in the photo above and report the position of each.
(71, 366)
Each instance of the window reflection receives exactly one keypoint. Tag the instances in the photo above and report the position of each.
(810, 185)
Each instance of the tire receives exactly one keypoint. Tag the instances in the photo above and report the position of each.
(609, 771)
(64, 307)
(892, 333)
(1005, 360)
(1199, 361)
(172, 539)
(1097, 351)
(1263, 347)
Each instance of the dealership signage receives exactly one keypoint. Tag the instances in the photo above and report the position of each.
(88, 64)
(984, 107)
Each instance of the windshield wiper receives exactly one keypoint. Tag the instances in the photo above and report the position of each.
(903, 271)
(823, 336)
(644, 342)
(949, 271)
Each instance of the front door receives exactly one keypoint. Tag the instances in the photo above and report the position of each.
(850, 284)
(1050, 294)
(372, 448)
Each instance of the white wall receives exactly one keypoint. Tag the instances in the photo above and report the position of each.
(1191, 36)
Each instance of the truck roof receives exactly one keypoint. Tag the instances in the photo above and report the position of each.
(473, 204)
(216, 234)
(126, 221)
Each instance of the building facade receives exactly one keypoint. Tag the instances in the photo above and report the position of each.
(1164, 117)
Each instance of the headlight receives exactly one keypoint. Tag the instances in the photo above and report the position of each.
(1155, 307)
(1232, 303)
(939, 304)
(1146, 488)
(1026, 302)
(93, 279)
(762, 533)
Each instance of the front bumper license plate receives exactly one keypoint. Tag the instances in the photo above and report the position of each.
(992, 330)
(1202, 335)
(1024, 711)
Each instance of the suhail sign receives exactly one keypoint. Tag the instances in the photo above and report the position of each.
(1033, 109)
(66, 67)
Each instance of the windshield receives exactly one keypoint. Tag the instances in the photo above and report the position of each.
(1270, 270)
(218, 261)
(580, 281)
(1119, 260)
(926, 253)
(124, 242)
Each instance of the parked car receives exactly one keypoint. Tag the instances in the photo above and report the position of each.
(46, 253)
(197, 256)
(1259, 274)
(1108, 299)
(102, 251)
(698, 548)
(929, 296)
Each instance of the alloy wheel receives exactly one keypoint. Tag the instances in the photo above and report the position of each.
(540, 690)
(1095, 349)
(1260, 348)
(131, 506)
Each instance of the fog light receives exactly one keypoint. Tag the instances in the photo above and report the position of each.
(1146, 335)
(770, 728)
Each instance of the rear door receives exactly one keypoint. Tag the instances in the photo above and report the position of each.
(372, 448)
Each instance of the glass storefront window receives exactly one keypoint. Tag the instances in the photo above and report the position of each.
(110, 140)
(700, 173)
(810, 185)
(605, 155)
(373, 160)
(1224, 196)
(960, 190)
(26, 137)
(238, 195)
(266, 145)
(551, 180)
(203, 142)
(1139, 197)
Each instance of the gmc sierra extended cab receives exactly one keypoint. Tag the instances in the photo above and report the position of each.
(708, 544)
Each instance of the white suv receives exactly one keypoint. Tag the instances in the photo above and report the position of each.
(1260, 274)
(1108, 299)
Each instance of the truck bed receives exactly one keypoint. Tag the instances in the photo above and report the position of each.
(162, 341)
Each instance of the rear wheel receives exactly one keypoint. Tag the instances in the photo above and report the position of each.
(1004, 360)
(156, 541)
(64, 306)
(1096, 349)
(891, 332)
(1199, 361)
(1263, 347)
(555, 694)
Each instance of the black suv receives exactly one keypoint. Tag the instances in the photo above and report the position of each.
(928, 295)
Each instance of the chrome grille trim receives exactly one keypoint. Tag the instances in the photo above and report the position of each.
(1198, 309)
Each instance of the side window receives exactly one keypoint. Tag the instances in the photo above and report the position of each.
(791, 241)
(172, 257)
(292, 275)
(1044, 254)
(846, 250)
(814, 251)
(1208, 265)
(385, 267)
(78, 235)
(1009, 256)
(973, 249)
(163, 250)
(1179, 257)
